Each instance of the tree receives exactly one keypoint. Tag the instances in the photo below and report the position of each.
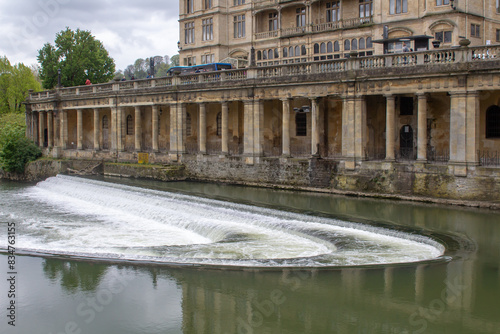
(174, 60)
(79, 56)
(15, 149)
(15, 82)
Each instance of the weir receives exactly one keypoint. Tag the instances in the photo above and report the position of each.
(81, 217)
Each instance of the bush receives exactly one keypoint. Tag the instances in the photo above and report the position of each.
(15, 149)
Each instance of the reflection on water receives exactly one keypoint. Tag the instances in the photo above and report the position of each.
(459, 296)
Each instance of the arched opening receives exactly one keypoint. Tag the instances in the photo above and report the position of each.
(406, 142)
(493, 122)
(219, 124)
(130, 125)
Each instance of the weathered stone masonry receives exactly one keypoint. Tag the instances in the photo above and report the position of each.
(411, 123)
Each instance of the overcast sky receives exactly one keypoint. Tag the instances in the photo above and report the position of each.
(129, 29)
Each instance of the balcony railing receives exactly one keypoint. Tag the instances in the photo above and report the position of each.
(471, 55)
(315, 28)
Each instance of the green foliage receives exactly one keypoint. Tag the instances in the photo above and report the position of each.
(174, 61)
(15, 149)
(142, 67)
(79, 56)
(15, 82)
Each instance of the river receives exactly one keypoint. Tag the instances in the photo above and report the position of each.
(109, 255)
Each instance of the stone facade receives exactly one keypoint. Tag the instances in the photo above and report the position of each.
(423, 123)
(283, 32)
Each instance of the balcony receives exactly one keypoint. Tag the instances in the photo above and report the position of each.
(317, 28)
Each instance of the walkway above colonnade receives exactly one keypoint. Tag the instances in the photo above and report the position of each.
(370, 69)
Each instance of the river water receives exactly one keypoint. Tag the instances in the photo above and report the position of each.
(114, 255)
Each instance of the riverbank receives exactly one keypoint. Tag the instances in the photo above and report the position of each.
(295, 175)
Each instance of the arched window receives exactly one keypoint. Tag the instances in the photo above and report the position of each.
(354, 44)
(130, 125)
(219, 124)
(361, 43)
(336, 46)
(304, 50)
(323, 48)
(276, 53)
(301, 124)
(105, 122)
(259, 55)
(297, 51)
(285, 52)
(264, 54)
(493, 122)
(369, 43)
(347, 45)
(316, 48)
(188, 125)
(270, 54)
(329, 47)
(291, 53)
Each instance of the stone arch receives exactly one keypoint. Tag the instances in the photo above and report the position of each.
(398, 32)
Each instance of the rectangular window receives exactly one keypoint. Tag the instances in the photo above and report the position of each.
(406, 106)
(189, 33)
(273, 21)
(190, 61)
(365, 8)
(398, 6)
(208, 59)
(301, 16)
(207, 29)
(208, 4)
(442, 2)
(498, 35)
(239, 2)
(239, 26)
(475, 30)
(189, 6)
(333, 11)
(443, 36)
(498, 6)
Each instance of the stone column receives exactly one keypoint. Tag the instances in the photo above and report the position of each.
(138, 129)
(154, 125)
(121, 124)
(97, 146)
(113, 132)
(79, 129)
(390, 131)
(422, 128)
(360, 128)
(41, 128)
(202, 138)
(225, 128)
(286, 128)
(181, 123)
(248, 126)
(63, 136)
(50, 129)
(473, 130)
(258, 119)
(173, 130)
(458, 131)
(348, 132)
(315, 131)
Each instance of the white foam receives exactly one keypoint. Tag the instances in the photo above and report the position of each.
(99, 219)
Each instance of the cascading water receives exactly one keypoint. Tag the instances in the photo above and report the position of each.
(81, 217)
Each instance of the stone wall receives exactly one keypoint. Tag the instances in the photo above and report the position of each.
(421, 182)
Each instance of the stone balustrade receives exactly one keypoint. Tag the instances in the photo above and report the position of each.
(399, 60)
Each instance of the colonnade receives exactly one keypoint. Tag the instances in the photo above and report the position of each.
(463, 134)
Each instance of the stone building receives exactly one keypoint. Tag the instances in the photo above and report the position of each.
(425, 122)
(284, 32)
